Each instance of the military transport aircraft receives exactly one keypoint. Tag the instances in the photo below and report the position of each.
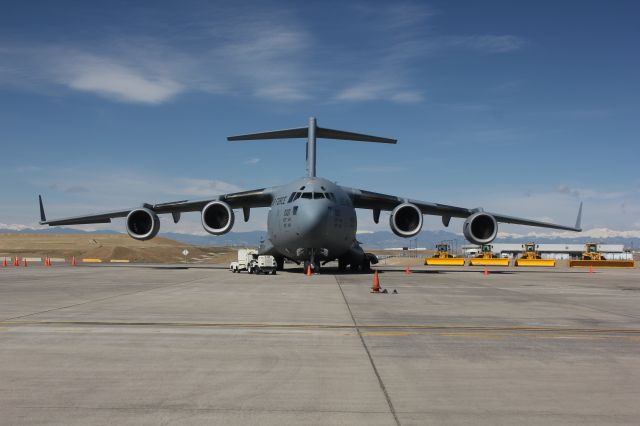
(311, 220)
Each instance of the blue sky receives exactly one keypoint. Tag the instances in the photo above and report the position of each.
(520, 107)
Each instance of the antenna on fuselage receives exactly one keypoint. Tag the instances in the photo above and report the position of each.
(312, 132)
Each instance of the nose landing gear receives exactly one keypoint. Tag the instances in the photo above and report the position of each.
(315, 266)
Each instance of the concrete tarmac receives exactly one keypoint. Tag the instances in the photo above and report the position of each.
(147, 346)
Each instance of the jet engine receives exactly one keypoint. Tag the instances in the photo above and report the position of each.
(480, 228)
(406, 220)
(217, 218)
(142, 224)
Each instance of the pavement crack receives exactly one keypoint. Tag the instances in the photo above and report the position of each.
(371, 361)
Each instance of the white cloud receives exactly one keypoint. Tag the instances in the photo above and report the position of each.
(102, 77)
(252, 161)
(205, 187)
(595, 233)
(18, 227)
(378, 89)
(268, 54)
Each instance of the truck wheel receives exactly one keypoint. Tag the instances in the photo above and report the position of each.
(273, 272)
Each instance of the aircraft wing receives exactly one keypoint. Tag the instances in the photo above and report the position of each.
(363, 199)
(245, 200)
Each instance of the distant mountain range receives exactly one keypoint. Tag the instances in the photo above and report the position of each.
(374, 240)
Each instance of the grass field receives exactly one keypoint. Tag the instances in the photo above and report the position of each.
(108, 247)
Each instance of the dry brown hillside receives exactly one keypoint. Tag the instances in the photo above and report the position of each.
(108, 247)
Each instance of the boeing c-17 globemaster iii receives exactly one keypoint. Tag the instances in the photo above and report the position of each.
(311, 220)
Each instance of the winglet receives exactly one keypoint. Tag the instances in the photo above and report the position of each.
(43, 218)
(579, 218)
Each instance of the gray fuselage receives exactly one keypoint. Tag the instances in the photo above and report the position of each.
(312, 217)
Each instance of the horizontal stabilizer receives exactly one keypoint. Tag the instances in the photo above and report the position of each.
(311, 133)
(349, 136)
(300, 132)
(303, 132)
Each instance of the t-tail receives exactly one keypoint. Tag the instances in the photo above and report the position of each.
(312, 132)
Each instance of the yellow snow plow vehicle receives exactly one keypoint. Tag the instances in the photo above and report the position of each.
(531, 257)
(592, 257)
(486, 258)
(444, 257)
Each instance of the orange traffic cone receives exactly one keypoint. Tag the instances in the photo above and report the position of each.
(4, 264)
(407, 270)
(16, 262)
(376, 283)
(309, 270)
(73, 261)
(591, 269)
(486, 270)
(24, 262)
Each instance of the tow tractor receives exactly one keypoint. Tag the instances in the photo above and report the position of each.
(248, 260)
(443, 257)
(531, 257)
(486, 258)
(592, 257)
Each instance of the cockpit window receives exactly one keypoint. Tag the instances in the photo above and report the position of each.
(298, 194)
(293, 194)
(329, 195)
(306, 195)
(318, 195)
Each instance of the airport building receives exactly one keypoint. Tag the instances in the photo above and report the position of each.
(553, 251)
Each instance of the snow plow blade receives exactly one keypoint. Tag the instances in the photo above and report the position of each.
(536, 262)
(602, 263)
(451, 261)
(499, 261)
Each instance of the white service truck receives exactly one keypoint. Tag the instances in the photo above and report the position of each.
(248, 260)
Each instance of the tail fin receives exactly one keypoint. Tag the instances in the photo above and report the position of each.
(43, 218)
(579, 218)
(311, 133)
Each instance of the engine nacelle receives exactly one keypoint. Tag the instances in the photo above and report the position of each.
(217, 218)
(480, 228)
(142, 224)
(406, 220)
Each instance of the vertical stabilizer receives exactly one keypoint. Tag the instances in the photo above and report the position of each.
(311, 148)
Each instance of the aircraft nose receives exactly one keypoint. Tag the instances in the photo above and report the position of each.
(314, 217)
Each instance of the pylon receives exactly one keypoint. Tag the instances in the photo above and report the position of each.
(16, 262)
(486, 270)
(309, 270)
(24, 262)
(376, 283)
(73, 261)
(5, 263)
(47, 262)
(407, 270)
(591, 269)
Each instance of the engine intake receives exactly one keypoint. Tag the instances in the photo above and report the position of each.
(480, 228)
(217, 218)
(406, 220)
(142, 224)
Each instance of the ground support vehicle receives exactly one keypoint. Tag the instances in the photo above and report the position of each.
(487, 258)
(531, 257)
(591, 257)
(444, 257)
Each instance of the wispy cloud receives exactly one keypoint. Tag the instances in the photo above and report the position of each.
(484, 43)
(252, 161)
(266, 54)
(101, 76)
